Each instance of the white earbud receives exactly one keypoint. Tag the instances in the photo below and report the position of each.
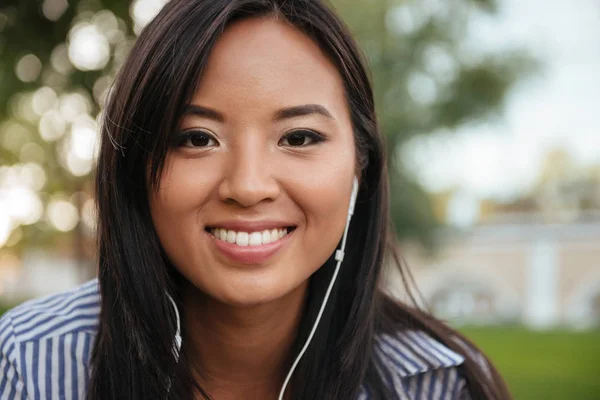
(339, 257)
(353, 196)
(177, 340)
(339, 254)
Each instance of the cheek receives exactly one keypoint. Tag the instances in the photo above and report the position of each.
(325, 206)
(175, 206)
(182, 188)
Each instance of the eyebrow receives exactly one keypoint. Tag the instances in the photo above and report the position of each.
(284, 113)
(300, 111)
(204, 112)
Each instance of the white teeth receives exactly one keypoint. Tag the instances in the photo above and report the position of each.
(249, 239)
(241, 239)
(255, 239)
(266, 237)
(230, 237)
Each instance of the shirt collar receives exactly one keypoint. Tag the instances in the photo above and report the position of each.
(411, 352)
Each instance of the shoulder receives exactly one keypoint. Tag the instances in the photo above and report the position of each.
(74, 310)
(50, 333)
(414, 365)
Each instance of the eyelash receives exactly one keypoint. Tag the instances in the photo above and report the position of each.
(181, 139)
(314, 136)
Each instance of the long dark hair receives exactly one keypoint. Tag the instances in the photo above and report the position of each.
(132, 356)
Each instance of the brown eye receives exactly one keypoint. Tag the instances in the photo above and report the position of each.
(196, 139)
(301, 138)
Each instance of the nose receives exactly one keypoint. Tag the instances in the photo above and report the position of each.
(249, 177)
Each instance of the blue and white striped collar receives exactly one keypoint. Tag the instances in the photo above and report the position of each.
(410, 352)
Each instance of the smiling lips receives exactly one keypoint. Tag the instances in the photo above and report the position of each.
(253, 246)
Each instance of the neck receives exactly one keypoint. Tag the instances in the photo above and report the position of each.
(241, 352)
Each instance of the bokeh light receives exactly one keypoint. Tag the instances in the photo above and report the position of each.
(59, 58)
(422, 88)
(143, 11)
(83, 137)
(88, 48)
(404, 19)
(81, 147)
(44, 99)
(21, 107)
(28, 68)
(33, 176)
(52, 126)
(24, 205)
(109, 25)
(72, 105)
(62, 215)
(5, 224)
(100, 90)
(440, 64)
(88, 215)
(54, 9)
(13, 135)
(78, 166)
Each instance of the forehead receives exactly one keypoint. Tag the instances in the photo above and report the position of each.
(257, 62)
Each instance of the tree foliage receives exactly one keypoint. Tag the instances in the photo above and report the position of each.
(428, 78)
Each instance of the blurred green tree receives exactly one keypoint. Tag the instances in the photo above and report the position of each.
(58, 58)
(427, 77)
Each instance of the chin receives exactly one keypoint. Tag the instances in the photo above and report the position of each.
(255, 293)
(243, 299)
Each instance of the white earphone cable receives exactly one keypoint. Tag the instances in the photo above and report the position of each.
(177, 340)
(339, 256)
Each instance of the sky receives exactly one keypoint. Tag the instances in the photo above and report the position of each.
(558, 106)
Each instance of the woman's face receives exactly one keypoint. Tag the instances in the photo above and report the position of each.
(265, 147)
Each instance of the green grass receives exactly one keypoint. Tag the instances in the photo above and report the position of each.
(543, 365)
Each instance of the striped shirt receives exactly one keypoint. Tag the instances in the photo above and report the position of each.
(45, 347)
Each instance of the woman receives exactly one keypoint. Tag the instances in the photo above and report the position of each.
(237, 137)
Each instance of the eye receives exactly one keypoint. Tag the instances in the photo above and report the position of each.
(195, 139)
(301, 138)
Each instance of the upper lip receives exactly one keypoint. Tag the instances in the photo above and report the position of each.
(249, 226)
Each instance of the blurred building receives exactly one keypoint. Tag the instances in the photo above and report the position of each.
(40, 272)
(520, 268)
